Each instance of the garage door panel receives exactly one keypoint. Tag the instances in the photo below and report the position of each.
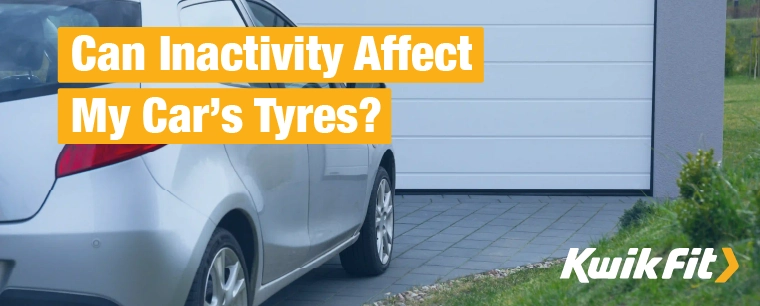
(453, 12)
(608, 118)
(523, 155)
(566, 102)
(525, 181)
(569, 44)
(543, 81)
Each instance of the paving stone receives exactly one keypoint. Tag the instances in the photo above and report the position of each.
(419, 254)
(404, 239)
(540, 248)
(446, 238)
(556, 233)
(434, 270)
(471, 206)
(346, 300)
(408, 262)
(429, 198)
(499, 229)
(458, 212)
(514, 264)
(522, 209)
(460, 252)
(377, 282)
(488, 258)
(437, 207)
(459, 230)
(480, 265)
(514, 216)
(394, 271)
(417, 279)
(513, 234)
(434, 245)
(532, 228)
(529, 257)
(447, 261)
(484, 236)
(400, 248)
(499, 251)
(510, 243)
(457, 273)
(565, 226)
(425, 232)
(470, 223)
(555, 241)
(529, 199)
(412, 220)
(472, 244)
(477, 216)
(439, 226)
(360, 292)
(446, 218)
(399, 229)
(574, 219)
(495, 198)
(505, 222)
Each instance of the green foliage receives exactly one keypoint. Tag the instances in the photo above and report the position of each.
(636, 214)
(741, 30)
(731, 52)
(696, 173)
(716, 205)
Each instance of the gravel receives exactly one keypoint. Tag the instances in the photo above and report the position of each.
(418, 294)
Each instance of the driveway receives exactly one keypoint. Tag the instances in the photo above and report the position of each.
(440, 237)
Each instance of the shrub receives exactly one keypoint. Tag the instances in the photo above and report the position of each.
(716, 205)
(637, 213)
(696, 173)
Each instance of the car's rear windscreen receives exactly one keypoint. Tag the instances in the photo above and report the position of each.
(29, 39)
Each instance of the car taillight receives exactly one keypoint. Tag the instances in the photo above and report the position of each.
(79, 158)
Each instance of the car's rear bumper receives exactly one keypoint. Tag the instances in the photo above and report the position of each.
(110, 235)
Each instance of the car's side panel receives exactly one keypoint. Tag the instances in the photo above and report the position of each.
(278, 178)
(338, 179)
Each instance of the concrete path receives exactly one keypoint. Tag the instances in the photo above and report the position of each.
(444, 237)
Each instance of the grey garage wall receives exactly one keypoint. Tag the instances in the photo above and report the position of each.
(688, 98)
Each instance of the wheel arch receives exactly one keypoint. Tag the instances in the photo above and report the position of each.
(388, 161)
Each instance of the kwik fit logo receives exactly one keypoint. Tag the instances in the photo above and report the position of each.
(635, 268)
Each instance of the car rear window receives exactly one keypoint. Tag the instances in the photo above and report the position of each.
(29, 39)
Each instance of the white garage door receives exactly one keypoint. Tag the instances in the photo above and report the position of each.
(566, 102)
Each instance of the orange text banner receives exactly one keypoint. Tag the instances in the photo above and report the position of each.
(262, 55)
(224, 116)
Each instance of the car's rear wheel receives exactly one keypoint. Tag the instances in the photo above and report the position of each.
(222, 278)
(371, 254)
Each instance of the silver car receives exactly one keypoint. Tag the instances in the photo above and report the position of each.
(168, 224)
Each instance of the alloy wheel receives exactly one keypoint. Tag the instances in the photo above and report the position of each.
(225, 283)
(384, 221)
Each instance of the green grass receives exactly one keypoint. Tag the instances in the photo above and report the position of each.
(659, 230)
(741, 123)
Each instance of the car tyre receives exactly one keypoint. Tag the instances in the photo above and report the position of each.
(371, 254)
(223, 277)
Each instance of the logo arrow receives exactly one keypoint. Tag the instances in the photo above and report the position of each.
(733, 265)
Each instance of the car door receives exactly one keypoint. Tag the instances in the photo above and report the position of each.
(276, 176)
(337, 173)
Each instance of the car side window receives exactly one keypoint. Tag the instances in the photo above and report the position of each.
(265, 17)
(221, 13)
